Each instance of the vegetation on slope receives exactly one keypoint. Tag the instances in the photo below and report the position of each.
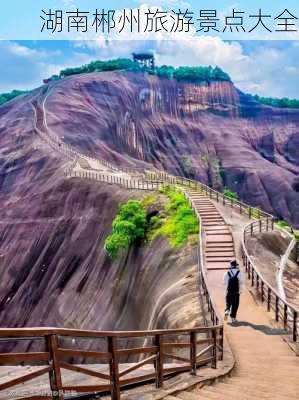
(230, 194)
(133, 222)
(181, 74)
(4, 97)
(128, 226)
(179, 221)
(275, 102)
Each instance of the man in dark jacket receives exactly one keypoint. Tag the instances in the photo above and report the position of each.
(233, 280)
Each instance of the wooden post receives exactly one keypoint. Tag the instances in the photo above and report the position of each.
(114, 372)
(277, 308)
(55, 374)
(262, 291)
(269, 299)
(159, 362)
(252, 277)
(295, 317)
(249, 212)
(260, 223)
(193, 353)
(221, 343)
(285, 316)
(251, 229)
(214, 349)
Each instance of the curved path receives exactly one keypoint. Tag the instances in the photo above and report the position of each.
(266, 368)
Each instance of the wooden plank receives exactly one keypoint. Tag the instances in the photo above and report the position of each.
(181, 368)
(55, 373)
(24, 378)
(87, 389)
(181, 345)
(137, 365)
(204, 351)
(83, 370)
(175, 357)
(13, 358)
(82, 353)
(137, 350)
(25, 333)
(136, 379)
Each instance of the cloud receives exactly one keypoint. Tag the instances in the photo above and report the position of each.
(266, 68)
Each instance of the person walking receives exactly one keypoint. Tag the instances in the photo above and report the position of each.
(233, 281)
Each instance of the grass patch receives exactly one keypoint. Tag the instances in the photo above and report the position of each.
(179, 221)
(144, 220)
(228, 193)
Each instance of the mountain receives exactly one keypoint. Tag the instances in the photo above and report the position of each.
(53, 268)
(211, 132)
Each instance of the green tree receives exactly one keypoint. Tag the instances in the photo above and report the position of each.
(128, 226)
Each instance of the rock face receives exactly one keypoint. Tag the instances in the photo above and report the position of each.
(54, 270)
(211, 132)
(53, 267)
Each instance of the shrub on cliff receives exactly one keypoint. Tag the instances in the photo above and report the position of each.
(4, 97)
(180, 221)
(200, 74)
(128, 226)
(275, 102)
(230, 194)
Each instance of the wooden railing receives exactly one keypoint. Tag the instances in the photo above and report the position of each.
(283, 310)
(108, 374)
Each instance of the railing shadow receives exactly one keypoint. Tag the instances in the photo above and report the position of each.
(267, 330)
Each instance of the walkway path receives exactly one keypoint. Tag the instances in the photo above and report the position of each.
(266, 368)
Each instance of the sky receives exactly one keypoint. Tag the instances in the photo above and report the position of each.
(258, 67)
(265, 67)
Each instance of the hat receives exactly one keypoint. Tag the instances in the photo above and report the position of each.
(234, 264)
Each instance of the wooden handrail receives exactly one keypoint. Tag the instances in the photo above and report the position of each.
(282, 308)
(55, 355)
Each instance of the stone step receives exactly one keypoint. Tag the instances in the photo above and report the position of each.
(217, 228)
(220, 259)
(211, 245)
(212, 266)
(219, 255)
(219, 239)
(218, 250)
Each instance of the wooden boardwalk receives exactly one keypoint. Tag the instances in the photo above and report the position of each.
(266, 368)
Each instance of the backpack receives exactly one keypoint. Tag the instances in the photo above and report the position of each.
(233, 283)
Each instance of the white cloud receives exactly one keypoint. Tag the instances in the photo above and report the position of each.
(267, 68)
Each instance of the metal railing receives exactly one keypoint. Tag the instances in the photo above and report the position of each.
(243, 208)
(283, 310)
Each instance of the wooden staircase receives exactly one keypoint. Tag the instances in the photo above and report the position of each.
(266, 368)
(219, 245)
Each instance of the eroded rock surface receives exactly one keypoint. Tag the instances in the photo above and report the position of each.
(211, 132)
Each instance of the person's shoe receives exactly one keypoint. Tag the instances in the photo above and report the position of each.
(233, 320)
(226, 315)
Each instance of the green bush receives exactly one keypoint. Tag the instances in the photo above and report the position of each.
(180, 221)
(181, 74)
(128, 226)
(230, 194)
(275, 102)
(4, 97)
